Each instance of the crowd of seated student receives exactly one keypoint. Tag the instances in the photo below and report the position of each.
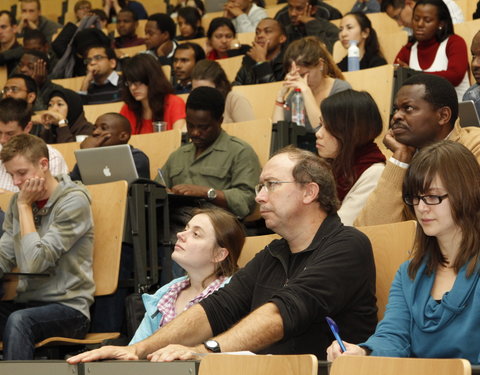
(357, 26)
(31, 18)
(434, 48)
(210, 73)
(148, 96)
(350, 122)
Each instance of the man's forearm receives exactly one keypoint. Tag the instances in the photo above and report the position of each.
(189, 328)
(27, 223)
(258, 330)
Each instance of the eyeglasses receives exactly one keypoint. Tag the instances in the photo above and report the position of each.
(94, 58)
(270, 185)
(431, 200)
(13, 89)
(135, 83)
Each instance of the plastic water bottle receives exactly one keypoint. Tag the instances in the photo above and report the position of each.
(353, 56)
(298, 108)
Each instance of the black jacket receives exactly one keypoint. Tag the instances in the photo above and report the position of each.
(251, 73)
(334, 276)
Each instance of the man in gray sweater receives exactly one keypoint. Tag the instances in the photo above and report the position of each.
(49, 238)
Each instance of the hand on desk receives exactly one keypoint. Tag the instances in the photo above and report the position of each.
(173, 352)
(124, 353)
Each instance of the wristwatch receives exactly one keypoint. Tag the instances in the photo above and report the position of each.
(212, 346)
(63, 123)
(211, 194)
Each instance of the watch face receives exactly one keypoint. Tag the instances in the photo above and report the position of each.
(213, 346)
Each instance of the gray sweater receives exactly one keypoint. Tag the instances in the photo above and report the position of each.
(61, 247)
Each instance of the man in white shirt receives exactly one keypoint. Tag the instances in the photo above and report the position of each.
(15, 118)
(245, 14)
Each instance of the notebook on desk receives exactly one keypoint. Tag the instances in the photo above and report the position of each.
(106, 164)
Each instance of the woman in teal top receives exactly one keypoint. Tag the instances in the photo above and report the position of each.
(433, 308)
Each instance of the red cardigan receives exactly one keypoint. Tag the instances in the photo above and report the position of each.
(456, 52)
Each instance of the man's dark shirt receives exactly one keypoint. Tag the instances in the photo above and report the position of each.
(11, 57)
(326, 31)
(251, 72)
(128, 41)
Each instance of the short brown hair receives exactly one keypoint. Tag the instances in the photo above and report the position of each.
(39, 6)
(31, 147)
(307, 52)
(459, 171)
(312, 168)
(229, 233)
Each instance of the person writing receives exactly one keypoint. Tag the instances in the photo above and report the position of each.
(434, 295)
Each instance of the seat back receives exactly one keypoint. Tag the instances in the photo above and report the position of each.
(368, 80)
(92, 111)
(257, 133)
(130, 51)
(391, 245)
(253, 245)
(367, 365)
(261, 97)
(109, 203)
(220, 364)
(231, 66)
(157, 146)
(73, 83)
(3, 75)
(68, 152)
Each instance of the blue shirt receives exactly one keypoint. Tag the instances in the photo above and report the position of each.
(416, 325)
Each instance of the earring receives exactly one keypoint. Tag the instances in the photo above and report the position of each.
(440, 27)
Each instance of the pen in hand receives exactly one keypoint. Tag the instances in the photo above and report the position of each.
(336, 332)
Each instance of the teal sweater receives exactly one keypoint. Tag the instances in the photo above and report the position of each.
(415, 325)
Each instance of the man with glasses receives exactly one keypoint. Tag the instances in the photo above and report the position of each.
(426, 109)
(101, 84)
(278, 302)
(402, 11)
(20, 86)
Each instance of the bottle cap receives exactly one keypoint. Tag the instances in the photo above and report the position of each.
(298, 90)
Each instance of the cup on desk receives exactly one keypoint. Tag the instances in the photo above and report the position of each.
(80, 138)
(159, 126)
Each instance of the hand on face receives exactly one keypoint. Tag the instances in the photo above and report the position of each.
(50, 117)
(232, 10)
(93, 142)
(306, 16)
(294, 80)
(32, 190)
(259, 53)
(40, 70)
(400, 151)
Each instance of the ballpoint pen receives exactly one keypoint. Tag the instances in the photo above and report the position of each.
(334, 328)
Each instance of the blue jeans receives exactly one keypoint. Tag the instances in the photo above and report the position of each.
(22, 325)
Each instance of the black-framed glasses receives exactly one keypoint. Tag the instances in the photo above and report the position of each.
(270, 185)
(431, 200)
(94, 58)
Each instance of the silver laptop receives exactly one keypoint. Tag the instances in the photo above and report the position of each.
(468, 114)
(106, 164)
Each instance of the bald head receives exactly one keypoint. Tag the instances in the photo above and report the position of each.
(114, 127)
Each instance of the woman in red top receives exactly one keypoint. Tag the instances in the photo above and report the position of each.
(148, 96)
(434, 48)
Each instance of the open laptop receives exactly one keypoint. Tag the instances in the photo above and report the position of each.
(468, 114)
(106, 164)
